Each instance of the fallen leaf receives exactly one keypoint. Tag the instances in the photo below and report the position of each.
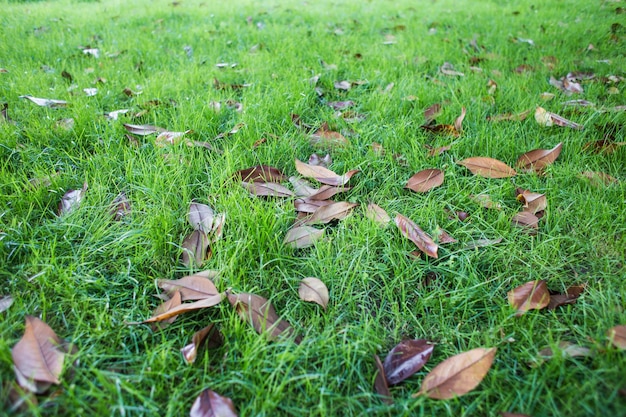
(195, 249)
(307, 205)
(94, 52)
(533, 295)
(198, 286)
(484, 200)
(406, 358)
(71, 200)
(340, 105)
(416, 235)
(330, 212)
(209, 336)
(260, 313)
(224, 86)
(378, 149)
(546, 118)
(120, 207)
(436, 151)
(448, 69)
(488, 167)
(142, 130)
(323, 175)
(130, 93)
(380, 382)
(569, 297)
(324, 137)
(38, 356)
(568, 350)
(578, 103)
(168, 305)
(201, 217)
(458, 374)
(296, 120)
(603, 146)
(267, 189)
(260, 173)
(168, 138)
(377, 214)
(343, 85)
(431, 113)
(327, 191)
(526, 219)
(617, 336)
(315, 159)
(302, 237)
(599, 178)
(46, 102)
(425, 180)
(537, 159)
(314, 290)
(302, 187)
(185, 308)
(443, 237)
(533, 202)
(211, 404)
(66, 124)
(454, 130)
(458, 122)
(509, 117)
(5, 303)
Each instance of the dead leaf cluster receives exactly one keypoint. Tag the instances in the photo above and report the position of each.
(207, 229)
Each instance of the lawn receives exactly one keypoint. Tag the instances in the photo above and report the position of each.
(378, 86)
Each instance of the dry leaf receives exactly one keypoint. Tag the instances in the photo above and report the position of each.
(406, 358)
(315, 159)
(526, 219)
(142, 130)
(380, 383)
(259, 312)
(314, 290)
(325, 137)
(327, 191)
(377, 214)
(443, 237)
(416, 235)
(454, 130)
(568, 350)
(533, 295)
(431, 113)
(599, 178)
(209, 336)
(46, 102)
(260, 173)
(201, 217)
(509, 116)
(533, 202)
(569, 297)
(343, 85)
(185, 308)
(302, 237)
(603, 146)
(330, 212)
(192, 287)
(536, 160)
(211, 404)
(488, 167)
(448, 69)
(302, 187)
(425, 180)
(307, 205)
(484, 200)
(436, 151)
(267, 189)
(90, 92)
(546, 118)
(71, 200)
(168, 305)
(195, 249)
(340, 105)
(458, 375)
(458, 123)
(120, 207)
(323, 175)
(5, 303)
(617, 336)
(38, 356)
(168, 138)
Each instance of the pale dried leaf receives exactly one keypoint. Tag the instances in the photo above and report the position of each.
(425, 180)
(303, 236)
(211, 404)
(201, 217)
(488, 167)
(46, 102)
(186, 307)
(260, 313)
(328, 213)
(547, 119)
(484, 200)
(195, 249)
(314, 290)
(192, 287)
(617, 336)
(377, 214)
(323, 175)
(142, 130)
(308, 205)
(168, 138)
(5, 303)
(267, 189)
(302, 187)
(71, 200)
(416, 235)
(209, 336)
(533, 295)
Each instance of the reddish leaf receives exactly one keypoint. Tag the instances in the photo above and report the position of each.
(327, 138)
(488, 167)
(71, 200)
(258, 311)
(211, 404)
(431, 113)
(308, 205)
(328, 213)
(569, 297)
(416, 235)
(526, 219)
(303, 236)
(380, 383)
(209, 336)
(192, 287)
(617, 336)
(533, 202)
(38, 356)
(443, 237)
(326, 191)
(201, 217)
(546, 118)
(536, 160)
(323, 175)
(377, 214)
(458, 375)
(599, 178)
(314, 290)
(195, 249)
(46, 102)
(267, 189)
(185, 308)
(425, 180)
(406, 358)
(260, 173)
(168, 305)
(533, 295)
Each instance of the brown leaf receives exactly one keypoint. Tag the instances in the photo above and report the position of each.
(195, 249)
(120, 207)
(599, 178)
(416, 235)
(547, 119)
(533, 202)
(526, 219)
(436, 151)
(425, 180)
(568, 350)
(377, 214)
(406, 358)
(5, 303)
(185, 308)
(38, 356)
(201, 217)
(168, 138)
(325, 137)
(328, 213)
(617, 336)
(533, 295)
(211, 404)
(314, 290)
(510, 116)
(142, 130)
(488, 167)
(569, 297)
(192, 287)
(536, 160)
(168, 305)
(267, 189)
(605, 146)
(323, 175)
(209, 336)
(443, 237)
(380, 383)
(260, 313)
(327, 191)
(71, 200)
(302, 187)
(431, 113)
(260, 173)
(46, 102)
(307, 205)
(302, 237)
(458, 374)
(458, 123)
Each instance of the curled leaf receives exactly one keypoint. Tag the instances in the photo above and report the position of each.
(416, 235)
(192, 287)
(260, 313)
(533, 202)
(211, 404)
(488, 167)
(526, 219)
(536, 160)
(185, 308)
(533, 295)
(569, 297)
(142, 130)
(546, 118)
(71, 200)
(168, 305)
(617, 336)
(201, 217)
(314, 290)
(406, 358)
(322, 174)
(195, 249)
(425, 180)
(209, 336)
(380, 383)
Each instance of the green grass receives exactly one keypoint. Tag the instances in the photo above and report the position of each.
(86, 276)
